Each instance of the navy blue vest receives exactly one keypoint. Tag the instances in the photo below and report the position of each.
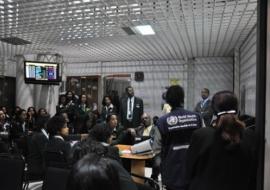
(176, 129)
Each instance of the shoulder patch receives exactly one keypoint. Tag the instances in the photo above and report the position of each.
(172, 120)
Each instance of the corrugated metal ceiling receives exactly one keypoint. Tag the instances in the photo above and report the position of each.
(91, 30)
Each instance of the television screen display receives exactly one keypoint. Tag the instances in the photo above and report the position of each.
(41, 72)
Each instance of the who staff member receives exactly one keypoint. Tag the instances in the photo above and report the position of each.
(176, 128)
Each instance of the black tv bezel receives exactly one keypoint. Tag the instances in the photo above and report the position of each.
(43, 82)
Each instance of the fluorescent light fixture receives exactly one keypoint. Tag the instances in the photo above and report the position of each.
(144, 30)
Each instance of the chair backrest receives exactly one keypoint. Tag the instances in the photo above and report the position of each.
(55, 179)
(11, 172)
(55, 159)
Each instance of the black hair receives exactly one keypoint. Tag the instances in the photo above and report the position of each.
(224, 101)
(155, 119)
(207, 90)
(94, 172)
(108, 118)
(28, 109)
(20, 112)
(103, 100)
(39, 111)
(128, 88)
(60, 97)
(41, 123)
(100, 133)
(55, 124)
(175, 96)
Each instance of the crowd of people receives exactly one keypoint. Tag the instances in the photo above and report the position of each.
(208, 148)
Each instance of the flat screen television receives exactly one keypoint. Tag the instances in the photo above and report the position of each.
(41, 73)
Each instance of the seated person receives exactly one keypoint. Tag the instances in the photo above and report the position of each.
(119, 134)
(36, 147)
(94, 172)
(4, 132)
(148, 131)
(71, 137)
(98, 143)
(57, 150)
(99, 140)
(19, 132)
(145, 131)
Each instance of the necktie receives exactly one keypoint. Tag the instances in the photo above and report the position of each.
(130, 109)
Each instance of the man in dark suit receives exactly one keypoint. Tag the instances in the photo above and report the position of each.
(204, 107)
(131, 109)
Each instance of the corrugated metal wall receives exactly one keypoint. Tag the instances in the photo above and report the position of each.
(7, 67)
(214, 73)
(247, 58)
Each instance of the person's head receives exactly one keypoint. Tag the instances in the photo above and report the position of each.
(4, 109)
(129, 91)
(83, 99)
(41, 123)
(101, 133)
(65, 115)
(57, 125)
(93, 172)
(106, 101)
(22, 115)
(62, 99)
(205, 93)
(69, 95)
(146, 119)
(112, 120)
(225, 107)
(17, 109)
(2, 116)
(175, 96)
(155, 120)
(42, 112)
(31, 111)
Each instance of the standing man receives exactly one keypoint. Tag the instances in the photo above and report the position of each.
(131, 109)
(204, 107)
(176, 129)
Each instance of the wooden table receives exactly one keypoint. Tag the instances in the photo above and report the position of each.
(137, 161)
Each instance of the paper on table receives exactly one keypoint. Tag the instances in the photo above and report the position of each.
(142, 148)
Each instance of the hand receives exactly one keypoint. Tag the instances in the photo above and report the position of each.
(132, 131)
(84, 136)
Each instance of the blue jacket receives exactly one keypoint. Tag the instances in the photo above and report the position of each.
(176, 129)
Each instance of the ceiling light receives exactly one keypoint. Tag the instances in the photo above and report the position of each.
(144, 30)
(86, 1)
(136, 9)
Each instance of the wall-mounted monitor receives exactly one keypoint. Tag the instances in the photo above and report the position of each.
(41, 73)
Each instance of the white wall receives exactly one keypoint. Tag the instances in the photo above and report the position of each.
(214, 73)
(247, 61)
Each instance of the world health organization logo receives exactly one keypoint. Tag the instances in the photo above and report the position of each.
(172, 120)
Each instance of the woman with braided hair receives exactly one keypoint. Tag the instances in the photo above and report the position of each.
(222, 156)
